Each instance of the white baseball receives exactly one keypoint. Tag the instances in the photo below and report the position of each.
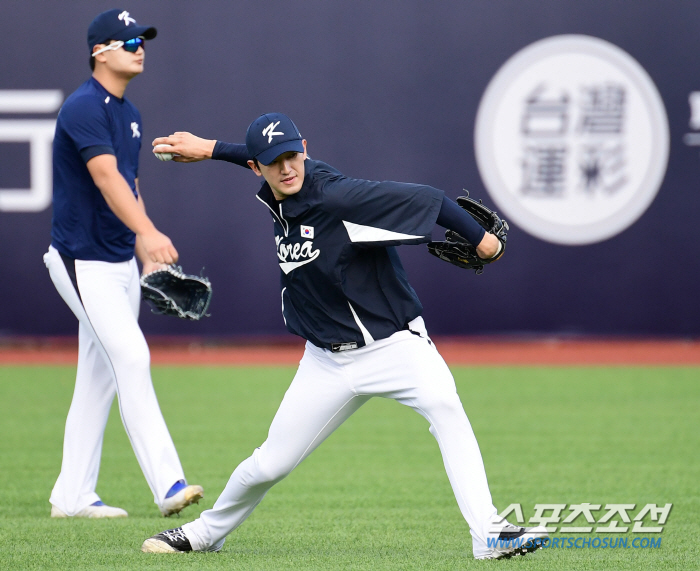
(164, 156)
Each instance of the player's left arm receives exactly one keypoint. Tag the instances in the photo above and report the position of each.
(407, 208)
(381, 213)
(147, 264)
(453, 217)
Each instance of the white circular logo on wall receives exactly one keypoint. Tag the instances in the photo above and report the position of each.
(572, 139)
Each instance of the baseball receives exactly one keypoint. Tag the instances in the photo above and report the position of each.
(164, 156)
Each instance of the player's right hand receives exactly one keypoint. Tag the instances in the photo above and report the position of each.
(189, 147)
(159, 247)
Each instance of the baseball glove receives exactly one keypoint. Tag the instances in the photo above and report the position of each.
(171, 292)
(458, 250)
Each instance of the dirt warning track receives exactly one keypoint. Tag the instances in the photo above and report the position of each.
(456, 351)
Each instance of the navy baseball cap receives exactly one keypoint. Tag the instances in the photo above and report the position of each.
(117, 25)
(270, 135)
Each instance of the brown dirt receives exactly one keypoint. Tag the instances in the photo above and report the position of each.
(455, 351)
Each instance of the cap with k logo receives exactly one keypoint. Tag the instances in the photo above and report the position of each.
(271, 135)
(117, 24)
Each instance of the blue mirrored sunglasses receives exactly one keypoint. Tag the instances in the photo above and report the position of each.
(133, 45)
(129, 45)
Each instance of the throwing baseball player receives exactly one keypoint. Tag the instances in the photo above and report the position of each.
(98, 221)
(343, 289)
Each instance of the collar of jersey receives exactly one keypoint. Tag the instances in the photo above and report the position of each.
(101, 88)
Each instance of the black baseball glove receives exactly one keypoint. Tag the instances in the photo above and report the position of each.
(458, 250)
(171, 292)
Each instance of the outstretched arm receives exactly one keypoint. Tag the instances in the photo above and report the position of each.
(189, 148)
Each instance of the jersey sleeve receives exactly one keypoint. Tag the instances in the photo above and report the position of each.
(383, 213)
(86, 122)
(454, 217)
(231, 152)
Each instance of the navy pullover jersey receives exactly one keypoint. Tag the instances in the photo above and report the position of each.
(343, 285)
(92, 122)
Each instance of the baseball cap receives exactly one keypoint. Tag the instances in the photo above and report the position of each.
(270, 135)
(117, 25)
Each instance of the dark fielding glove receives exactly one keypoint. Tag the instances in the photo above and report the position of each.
(171, 292)
(458, 250)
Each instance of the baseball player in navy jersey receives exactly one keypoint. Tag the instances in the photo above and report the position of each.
(344, 290)
(98, 221)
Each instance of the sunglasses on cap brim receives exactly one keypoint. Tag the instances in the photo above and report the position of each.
(129, 45)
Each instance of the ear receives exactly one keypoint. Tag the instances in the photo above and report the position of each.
(303, 142)
(255, 169)
(99, 57)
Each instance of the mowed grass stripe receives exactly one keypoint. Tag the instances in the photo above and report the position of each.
(375, 495)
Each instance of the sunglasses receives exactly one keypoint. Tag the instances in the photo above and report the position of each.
(129, 45)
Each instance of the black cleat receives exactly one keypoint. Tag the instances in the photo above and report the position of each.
(170, 541)
(515, 540)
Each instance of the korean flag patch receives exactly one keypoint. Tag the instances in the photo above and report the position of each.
(307, 232)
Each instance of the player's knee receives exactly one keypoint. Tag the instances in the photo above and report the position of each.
(271, 470)
(442, 405)
(136, 359)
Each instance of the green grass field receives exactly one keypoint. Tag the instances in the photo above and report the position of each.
(375, 495)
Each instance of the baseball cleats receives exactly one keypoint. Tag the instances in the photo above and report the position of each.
(179, 497)
(515, 540)
(170, 541)
(96, 510)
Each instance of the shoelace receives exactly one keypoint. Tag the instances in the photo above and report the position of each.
(175, 534)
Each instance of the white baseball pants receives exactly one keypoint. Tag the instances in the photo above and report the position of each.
(113, 358)
(327, 389)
